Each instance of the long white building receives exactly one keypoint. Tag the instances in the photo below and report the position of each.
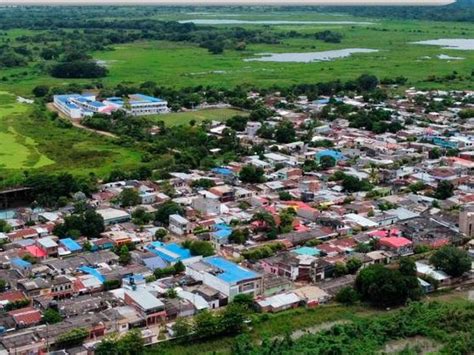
(139, 105)
(77, 106)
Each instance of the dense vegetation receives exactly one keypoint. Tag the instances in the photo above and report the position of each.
(460, 10)
(449, 325)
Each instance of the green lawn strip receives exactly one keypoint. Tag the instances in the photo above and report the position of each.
(211, 114)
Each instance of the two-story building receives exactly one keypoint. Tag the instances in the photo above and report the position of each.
(225, 276)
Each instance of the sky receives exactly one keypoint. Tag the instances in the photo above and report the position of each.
(223, 2)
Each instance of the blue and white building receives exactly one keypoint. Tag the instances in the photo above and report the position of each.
(139, 105)
(77, 106)
(225, 276)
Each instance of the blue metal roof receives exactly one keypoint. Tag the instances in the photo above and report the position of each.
(222, 230)
(155, 262)
(93, 272)
(330, 153)
(70, 244)
(222, 171)
(21, 263)
(145, 98)
(169, 252)
(307, 251)
(232, 272)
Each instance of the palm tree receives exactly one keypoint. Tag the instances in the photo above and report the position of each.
(374, 177)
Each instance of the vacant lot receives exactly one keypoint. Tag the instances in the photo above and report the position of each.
(30, 142)
(211, 114)
(16, 150)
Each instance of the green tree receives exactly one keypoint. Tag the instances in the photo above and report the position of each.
(179, 267)
(285, 196)
(199, 247)
(93, 224)
(107, 346)
(244, 299)
(444, 190)
(160, 234)
(347, 296)
(354, 184)
(204, 183)
(239, 236)
(326, 162)
(3, 285)
(131, 343)
(251, 174)
(124, 255)
(285, 132)
(206, 324)
(51, 316)
(182, 327)
(4, 226)
(455, 262)
(381, 286)
(340, 269)
(353, 265)
(407, 267)
(165, 210)
(72, 338)
(140, 216)
(129, 197)
(233, 318)
(40, 90)
(434, 153)
(367, 82)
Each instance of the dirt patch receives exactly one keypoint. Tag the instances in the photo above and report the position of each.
(418, 344)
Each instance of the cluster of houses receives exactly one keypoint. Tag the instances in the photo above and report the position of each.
(299, 266)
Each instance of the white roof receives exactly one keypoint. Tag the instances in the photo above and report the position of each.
(430, 271)
(278, 301)
(207, 194)
(403, 213)
(47, 242)
(178, 218)
(144, 299)
(276, 157)
(360, 220)
(198, 301)
(112, 213)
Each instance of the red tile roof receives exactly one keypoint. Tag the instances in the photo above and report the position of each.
(395, 242)
(12, 296)
(23, 233)
(26, 316)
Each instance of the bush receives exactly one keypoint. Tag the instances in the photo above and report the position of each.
(451, 260)
(347, 296)
(78, 70)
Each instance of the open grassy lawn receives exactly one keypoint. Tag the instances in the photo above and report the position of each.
(211, 114)
(40, 144)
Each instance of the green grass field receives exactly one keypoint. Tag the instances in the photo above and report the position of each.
(39, 144)
(185, 64)
(182, 65)
(214, 114)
